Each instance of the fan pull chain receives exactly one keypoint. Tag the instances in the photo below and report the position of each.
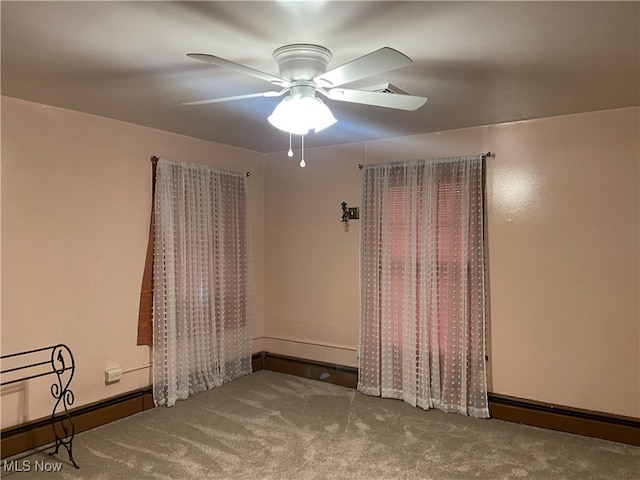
(290, 152)
(302, 164)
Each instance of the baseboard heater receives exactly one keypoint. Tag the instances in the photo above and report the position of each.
(32, 435)
(605, 426)
(582, 422)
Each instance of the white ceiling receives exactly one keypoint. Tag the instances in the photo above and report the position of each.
(478, 62)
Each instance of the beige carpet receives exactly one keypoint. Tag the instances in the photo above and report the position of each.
(275, 426)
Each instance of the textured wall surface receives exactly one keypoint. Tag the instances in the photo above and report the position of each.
(76, 203)
(563, 213)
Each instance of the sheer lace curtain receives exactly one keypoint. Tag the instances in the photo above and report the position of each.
(201, 301)
(422, 278)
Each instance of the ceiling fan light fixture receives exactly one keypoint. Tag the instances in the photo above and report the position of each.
(317, 113)
(285, 117)
(298, 115)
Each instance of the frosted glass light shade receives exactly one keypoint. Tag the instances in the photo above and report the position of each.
(298, 115)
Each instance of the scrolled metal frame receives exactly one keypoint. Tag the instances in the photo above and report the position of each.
(62, 365)
(64, 396)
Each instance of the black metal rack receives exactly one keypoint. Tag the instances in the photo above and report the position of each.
(60, 363)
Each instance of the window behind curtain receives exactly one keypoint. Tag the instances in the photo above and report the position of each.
(201, 280)
(422, 315)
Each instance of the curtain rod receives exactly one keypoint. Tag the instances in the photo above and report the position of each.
(154, 159)
(484, 156)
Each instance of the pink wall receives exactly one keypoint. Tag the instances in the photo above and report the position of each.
(563, 224)
(76, 199)
(563, 216)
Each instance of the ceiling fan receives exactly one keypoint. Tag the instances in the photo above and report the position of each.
(303, 73)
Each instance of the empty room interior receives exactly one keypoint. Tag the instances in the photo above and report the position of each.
(438, 279)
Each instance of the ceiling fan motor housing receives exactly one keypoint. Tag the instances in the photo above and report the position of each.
(301, 61)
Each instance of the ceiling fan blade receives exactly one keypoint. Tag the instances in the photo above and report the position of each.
(373, 63)
(238, 97)
(379, 99)
(221, 62)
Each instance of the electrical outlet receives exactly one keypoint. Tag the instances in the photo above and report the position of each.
(112, 375)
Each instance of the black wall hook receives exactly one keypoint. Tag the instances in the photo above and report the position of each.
(351, 213)
(345, 212)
